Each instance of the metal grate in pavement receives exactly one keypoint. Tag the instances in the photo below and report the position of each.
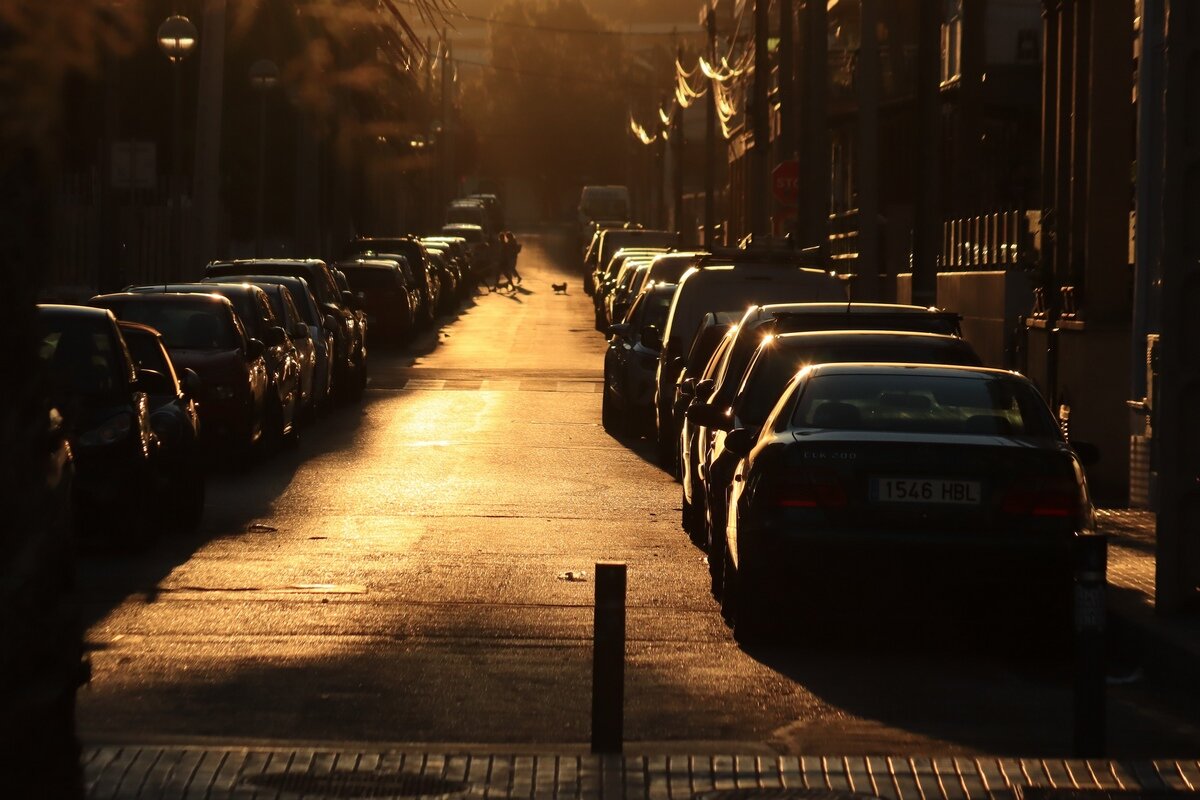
(158, 772)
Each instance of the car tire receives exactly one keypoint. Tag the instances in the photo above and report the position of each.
(610, 416)
(192, 501)
(729, 588)
(715, 545)
(692, 519)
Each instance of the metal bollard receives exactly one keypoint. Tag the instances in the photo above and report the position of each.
(1090, 556)
(608, 659)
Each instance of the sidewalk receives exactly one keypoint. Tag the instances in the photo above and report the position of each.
(1169, 647)
(184, 772)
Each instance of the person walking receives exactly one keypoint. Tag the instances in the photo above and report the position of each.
(511, 249)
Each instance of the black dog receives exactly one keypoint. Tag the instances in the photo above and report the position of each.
(559, 288)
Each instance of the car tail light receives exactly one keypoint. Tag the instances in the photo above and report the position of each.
(823, 489)
(1055, 500)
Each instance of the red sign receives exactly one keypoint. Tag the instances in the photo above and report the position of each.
(785, 182)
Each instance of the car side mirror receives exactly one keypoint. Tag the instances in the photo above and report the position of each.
(651, 338)
(704, 388)
(330, 323)
(621, 329)
(709, 416)
(151, 381)
(274, 336)
(740, 442)
(301, 331)
(255, 349)
(192, 385)
(687, 387)
(349, 300)
(1088, 453)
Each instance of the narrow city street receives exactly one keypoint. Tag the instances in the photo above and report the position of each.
(419, 569)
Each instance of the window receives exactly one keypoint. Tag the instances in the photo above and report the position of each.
(952, 31)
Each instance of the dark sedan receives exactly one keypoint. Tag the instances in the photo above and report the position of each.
(92, 380)
(388, 293)
(175, 420)
(203, 332)
(350, 362)
(901, 474)
(418, 258)
(261, 324)
(755, 391)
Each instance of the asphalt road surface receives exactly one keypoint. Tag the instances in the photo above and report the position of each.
(420, 570)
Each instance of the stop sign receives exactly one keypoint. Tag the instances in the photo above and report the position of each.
(785, 182)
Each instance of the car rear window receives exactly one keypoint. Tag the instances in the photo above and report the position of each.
(775, 365)
(184, 325)
(81, 357)
(367, 279)
(923, 403)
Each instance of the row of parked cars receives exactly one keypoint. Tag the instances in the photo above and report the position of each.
(150, 386)
(823, 444)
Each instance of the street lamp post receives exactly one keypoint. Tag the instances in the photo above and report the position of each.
(264, 76)
(177, 39)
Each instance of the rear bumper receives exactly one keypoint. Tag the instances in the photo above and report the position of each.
(953, 556)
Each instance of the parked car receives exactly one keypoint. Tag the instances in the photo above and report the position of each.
(179, 482)
(744, 400)
(928, 472)
(629, 362)
(204, 333)
(389, 294)
(721, 285)
(460, 254)
(608, 242)
(485, 253)
(258, 318)
(764, 320)
(448, 279)
(470, 211)
(418, 259)
(92, 380)
(605, 278)
(350, 364)
(321, 337)
(667, 268)
(455, 270)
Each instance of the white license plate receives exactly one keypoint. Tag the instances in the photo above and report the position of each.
(923, 490)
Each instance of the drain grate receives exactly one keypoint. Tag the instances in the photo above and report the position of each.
(782, 794)
(346, 783)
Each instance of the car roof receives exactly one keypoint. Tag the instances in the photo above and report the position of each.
(163, 297)
(194, 288)
(138, 328)
(931, 370)
(849, 308)
(64, 310)
(803, 337)
(391, 265)
(462, 226)
(278, 280)
(281, 262)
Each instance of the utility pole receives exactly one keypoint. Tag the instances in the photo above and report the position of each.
(679, 155)
(867, 80)
(710, 134)
(812, 217)
(209, 107)
(447, 135)
(927, 224)
(1177, 569)
(756, 186)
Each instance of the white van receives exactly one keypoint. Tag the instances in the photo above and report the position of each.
(725, 288)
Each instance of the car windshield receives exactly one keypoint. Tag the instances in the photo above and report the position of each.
(81, 356)
(146, 353)
(899, 402)
(776, 363)
(184, 324)
(367, 278)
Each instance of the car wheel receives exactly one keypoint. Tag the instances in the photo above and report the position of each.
(729, 588)
(192, 498)
(610, 416)
(693, 521)
(715, 545)
(751, 619)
